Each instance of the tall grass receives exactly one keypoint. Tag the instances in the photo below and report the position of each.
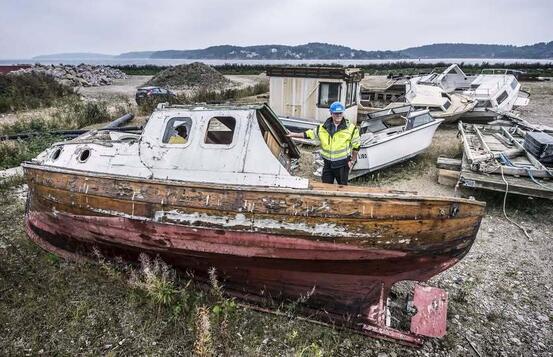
(203, 95)
(71, 114)
(29, 91)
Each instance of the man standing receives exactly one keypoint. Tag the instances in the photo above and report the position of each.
(339, 141)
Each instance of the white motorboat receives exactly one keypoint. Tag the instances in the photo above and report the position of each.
(391, 136)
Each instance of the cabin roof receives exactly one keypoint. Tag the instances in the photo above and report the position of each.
(343, 73)
(428, 95)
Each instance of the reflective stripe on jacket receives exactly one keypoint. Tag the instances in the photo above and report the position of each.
(336, 147)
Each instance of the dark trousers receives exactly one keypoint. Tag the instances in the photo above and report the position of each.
(340, 174)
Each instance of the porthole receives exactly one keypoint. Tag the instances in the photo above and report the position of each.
(56, 154)
(84, 155)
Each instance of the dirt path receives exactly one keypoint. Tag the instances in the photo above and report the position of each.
(122, 88)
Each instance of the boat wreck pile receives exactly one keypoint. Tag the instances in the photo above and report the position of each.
(453, 95)
(268, 233)
(506, 155)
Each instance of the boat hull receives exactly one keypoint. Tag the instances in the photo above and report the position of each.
(394, 150)
(345, 267)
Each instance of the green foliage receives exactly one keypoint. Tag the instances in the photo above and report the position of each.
(399, 67)
(13, 153)
(29, 91)
(6, 184)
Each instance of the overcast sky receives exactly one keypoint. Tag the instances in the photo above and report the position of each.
(34, 27)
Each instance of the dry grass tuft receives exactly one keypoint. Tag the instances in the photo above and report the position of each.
(203, 345)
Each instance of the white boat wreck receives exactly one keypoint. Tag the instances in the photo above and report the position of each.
(496, 91)
(224, 196)
(442, 105)
(391, 136)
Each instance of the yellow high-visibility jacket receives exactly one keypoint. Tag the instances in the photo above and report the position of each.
(337, 147)
(177, 139)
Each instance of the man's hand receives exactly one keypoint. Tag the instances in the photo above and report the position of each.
(351, 163)
(295, 135)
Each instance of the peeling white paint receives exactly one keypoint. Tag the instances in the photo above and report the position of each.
(240, 220)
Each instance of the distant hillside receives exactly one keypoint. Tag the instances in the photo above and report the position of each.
(325, 51)
(73, 56)
(267, 52)
(137, 54)
(463, 50)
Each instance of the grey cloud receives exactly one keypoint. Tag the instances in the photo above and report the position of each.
(32, 27)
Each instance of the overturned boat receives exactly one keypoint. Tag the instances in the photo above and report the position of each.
(224, 196)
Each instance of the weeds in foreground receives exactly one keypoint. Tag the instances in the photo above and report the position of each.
(203, 344)
(157, 279)
(6, 184)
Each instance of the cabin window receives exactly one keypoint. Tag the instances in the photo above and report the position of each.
(329, 93)
(220, 130)
(502, 97)
(484, 104)
(514, 83)
(56, 154)
(177, 131)
(84, 155)
(421, 120)
(351, 91)
(447, 104)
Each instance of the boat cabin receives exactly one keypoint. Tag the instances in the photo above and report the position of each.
(425, 96)
(307, 92)
(229, 145)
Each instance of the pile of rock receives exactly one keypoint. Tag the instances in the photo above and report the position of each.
(83, 75)
(190, 76)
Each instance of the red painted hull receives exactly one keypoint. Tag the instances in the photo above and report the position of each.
(346, 280)
(343, 247)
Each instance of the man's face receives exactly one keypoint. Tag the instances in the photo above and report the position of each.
(337, 117)
(182, 131)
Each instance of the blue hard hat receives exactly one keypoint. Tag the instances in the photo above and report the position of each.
(337, 107)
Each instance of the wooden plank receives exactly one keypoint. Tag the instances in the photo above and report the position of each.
(466, 145)
(482, 141)
(502, 139)
(448, 177)
(448, 163)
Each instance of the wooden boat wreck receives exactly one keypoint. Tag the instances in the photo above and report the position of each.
(501, 156)
(226, 198)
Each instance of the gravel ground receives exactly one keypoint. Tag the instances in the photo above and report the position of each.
(501, 293)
